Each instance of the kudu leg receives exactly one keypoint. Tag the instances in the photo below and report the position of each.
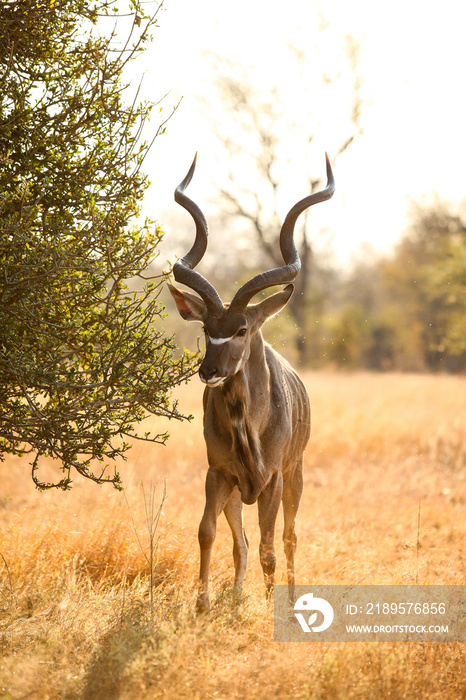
(292, 491)
(269, 503)
(234, 514)
(217, 490)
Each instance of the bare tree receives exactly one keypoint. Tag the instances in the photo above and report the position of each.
(255, 135)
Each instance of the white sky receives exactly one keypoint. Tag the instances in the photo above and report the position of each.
(413, 60)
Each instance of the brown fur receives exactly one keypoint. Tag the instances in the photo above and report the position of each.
(256, 409)
(245, 443)
(256, 426)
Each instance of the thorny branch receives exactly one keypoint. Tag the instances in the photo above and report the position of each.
(83, 355)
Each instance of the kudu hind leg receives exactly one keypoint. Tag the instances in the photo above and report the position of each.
(269, 503)
(217, 491)
(234, 514)
(292, 492)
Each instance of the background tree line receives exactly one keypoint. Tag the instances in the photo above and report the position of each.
(404, 310)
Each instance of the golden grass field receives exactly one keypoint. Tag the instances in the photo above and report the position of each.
(74, 586)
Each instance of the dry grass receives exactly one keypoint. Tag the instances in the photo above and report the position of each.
(74, 585)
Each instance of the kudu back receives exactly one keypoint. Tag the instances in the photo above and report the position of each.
(256, 408)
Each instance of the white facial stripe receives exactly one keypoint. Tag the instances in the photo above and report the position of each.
(219, 341)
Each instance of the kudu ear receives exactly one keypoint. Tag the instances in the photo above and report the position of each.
(275, 302)
(190, 307)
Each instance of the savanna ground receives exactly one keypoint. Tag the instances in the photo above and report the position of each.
(75, 616)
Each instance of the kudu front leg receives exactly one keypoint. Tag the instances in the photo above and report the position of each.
(234, 514)
(269, 503)
(217, 491)
(292, 492)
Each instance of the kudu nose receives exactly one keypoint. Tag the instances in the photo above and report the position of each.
(207, 373)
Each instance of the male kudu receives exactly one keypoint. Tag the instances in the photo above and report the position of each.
(256, 408)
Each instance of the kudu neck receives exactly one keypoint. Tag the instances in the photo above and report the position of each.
(254, 376)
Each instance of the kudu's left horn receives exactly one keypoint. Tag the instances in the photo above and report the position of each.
(183, 269)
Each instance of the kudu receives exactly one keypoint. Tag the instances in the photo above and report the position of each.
(256, 408)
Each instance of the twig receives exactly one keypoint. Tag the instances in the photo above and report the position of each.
(10, 588)
(418, 542)
(152, 521)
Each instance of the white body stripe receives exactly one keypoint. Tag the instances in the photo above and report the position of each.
(238, 366)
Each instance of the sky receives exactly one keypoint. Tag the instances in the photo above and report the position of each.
(412, 66)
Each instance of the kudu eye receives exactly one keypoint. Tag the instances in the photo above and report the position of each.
(242, 332)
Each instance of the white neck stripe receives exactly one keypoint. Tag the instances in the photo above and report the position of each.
(219, 341)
